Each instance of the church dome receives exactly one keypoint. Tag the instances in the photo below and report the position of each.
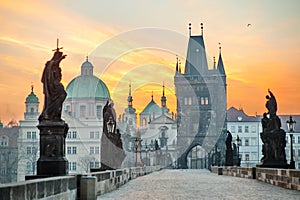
(87, 86)
(32, 98)
(152, 108)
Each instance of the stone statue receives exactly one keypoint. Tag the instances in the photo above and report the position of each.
(112, 153)
(273, 137)
(229, 153)
(53, 90)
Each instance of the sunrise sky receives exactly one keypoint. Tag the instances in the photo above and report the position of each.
(137, 42)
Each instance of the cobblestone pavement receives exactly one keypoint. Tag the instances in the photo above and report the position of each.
(197, 184)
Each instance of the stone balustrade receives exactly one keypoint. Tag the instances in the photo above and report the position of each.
(286, 178)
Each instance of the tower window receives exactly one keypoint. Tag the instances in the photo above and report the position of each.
(82, 111)
(99, 111)
(32, 110)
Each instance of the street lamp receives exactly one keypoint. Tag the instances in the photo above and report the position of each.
(146, 149)
(110, 125)
(137, 142)
(238, 141)
(291, 125)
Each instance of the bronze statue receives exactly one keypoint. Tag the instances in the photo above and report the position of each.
(53, 90)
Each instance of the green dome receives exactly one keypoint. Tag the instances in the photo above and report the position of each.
(152, 108)
(32, 98)
(87, 86)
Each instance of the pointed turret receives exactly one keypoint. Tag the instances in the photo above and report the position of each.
(220, 65)
(196, 62)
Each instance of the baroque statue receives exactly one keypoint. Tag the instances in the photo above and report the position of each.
(273, 137)
(112, 153)
(54, 92)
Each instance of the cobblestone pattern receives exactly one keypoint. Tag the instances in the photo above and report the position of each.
(198, 184)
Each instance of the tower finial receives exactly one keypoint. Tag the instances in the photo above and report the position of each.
(87, 57)
(130, 88)
(176, 63)
(201, 29)
(32, 87)
(152, 95)
(214, 63)
(179, 66)
(220, 47)
(190, 29)
(163, 88)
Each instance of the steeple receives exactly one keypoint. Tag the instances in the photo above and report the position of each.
(130, 109)
(32, 106)
(220, 65)
(163, 97)
(129, 99)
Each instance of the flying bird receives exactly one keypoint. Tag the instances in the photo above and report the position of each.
(248, 25)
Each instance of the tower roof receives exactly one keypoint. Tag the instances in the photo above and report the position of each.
(196, 62)
(220, 65)
(32, 98)
(152, 108)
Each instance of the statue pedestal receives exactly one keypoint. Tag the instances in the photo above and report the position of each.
(52, 161)
(274, 149)
(229, 157)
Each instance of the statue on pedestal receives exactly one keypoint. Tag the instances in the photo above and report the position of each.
(229, 154)
(112, 153)
(273, 137)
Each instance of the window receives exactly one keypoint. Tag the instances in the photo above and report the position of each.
(99, 111)
(92, 150)
(82, 111)
(30, 150)
(4, 140)
(293, 139)
(33, 135)
(253, 129)
(253, 141)
(28, 166)
(72, 166)
(185, 101)
(68, 109)
(298, 165)
(298, 139)
(232, 128)
(241, 142)
(69, 134)
(74, 134)
(190, 101)
(74, 150)
(246, 141)
(239, 129)
(287, 139)
(97, 151)
(299, 153)
(246, 129)
(206, 100)
(247, 156)
(28, 135)
(69, 150)
(97, 134)
(92, 135)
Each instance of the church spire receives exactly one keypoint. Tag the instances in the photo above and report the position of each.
(190, 29)
(129, 99)
(220, 65)
(201, 28)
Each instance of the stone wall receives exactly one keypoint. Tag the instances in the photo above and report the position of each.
(97, 183)
(61, 187)
(287, 178)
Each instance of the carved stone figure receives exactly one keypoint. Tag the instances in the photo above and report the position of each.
(112, 153)
(273, 137)
(54, 91)
(229, 153)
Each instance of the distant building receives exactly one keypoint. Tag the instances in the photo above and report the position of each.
(248, 129)
(8, 154)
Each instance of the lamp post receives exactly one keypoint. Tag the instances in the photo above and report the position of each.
(291, 125)
(146, 149)
(136, 146)
(238, 141)
(110, 125)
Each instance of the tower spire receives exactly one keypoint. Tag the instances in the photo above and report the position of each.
(129, 99)
(190, 29)
(176, 63)
(201, 28)
(152, 95)
(214, 62)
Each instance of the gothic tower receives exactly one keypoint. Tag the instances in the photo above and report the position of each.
(130, 113)
(201, 103)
